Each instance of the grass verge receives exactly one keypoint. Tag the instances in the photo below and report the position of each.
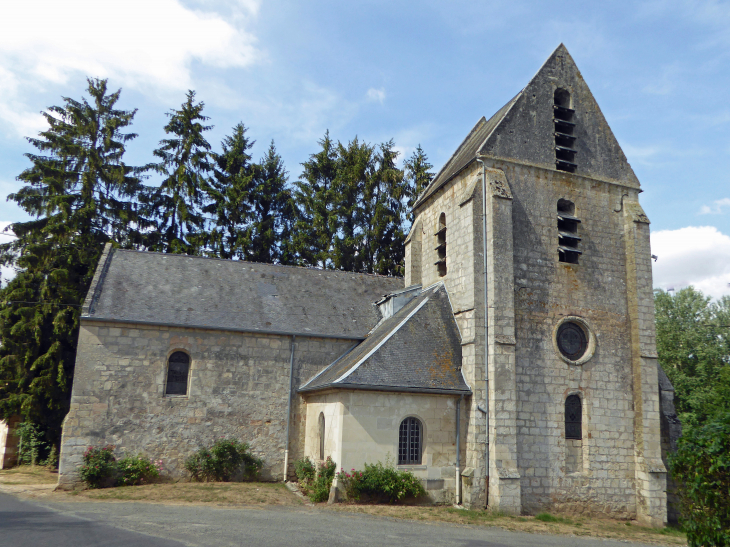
(28, 474)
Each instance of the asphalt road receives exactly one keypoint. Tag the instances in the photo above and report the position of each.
(92, 524)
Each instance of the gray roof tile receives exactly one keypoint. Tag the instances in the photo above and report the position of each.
(417, 349)
(167, 289)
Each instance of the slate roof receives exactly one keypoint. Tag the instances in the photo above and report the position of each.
(466, 152)
(418, 349)
(179, 290)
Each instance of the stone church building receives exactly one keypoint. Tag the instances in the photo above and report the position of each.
(514, 366)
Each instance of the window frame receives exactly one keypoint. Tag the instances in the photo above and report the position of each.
(570, 401)
(408, 422)
(187, 376)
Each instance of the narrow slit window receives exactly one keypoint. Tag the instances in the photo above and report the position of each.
(441, 246)
(568, 239)
(563, 118)
(321, 435)
(178, 368)
(573, 417)
(409, 442)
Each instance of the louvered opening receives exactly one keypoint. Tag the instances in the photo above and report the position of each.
(568, 239)
(441, 246)
(564, 127)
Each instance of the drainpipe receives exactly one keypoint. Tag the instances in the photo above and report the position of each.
(486, 330)
(458, 450)
(288, 408)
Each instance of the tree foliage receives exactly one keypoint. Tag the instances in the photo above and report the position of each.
(693, 343)
(80, 194)
(701, 466)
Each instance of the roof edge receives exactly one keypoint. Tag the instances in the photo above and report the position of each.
(400, 389)
(92, 295)
(223, 329)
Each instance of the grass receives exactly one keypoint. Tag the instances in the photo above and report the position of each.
(28, 474)
(215, 493)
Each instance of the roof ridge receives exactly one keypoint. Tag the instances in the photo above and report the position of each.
(231, 260)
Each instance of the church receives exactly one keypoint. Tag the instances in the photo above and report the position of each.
(513, 367)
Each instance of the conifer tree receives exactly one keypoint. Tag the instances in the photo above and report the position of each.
(81, 195)
(418, 176)
(185, 165)
(315, 197)
(273, 212)
(229, 196)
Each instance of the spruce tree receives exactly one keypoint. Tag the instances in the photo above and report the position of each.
(185, 165)
(315, 197)
(418, 176)
(273, 212)
(81, 195)
(228, 194)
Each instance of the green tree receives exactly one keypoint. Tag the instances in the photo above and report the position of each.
(185, 165)
(229, 196)
(693, 343)
(273, 212)
(315, 198)
(418, 176)
(81, 195)
(701, 466)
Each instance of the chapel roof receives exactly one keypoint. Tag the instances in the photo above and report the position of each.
(187, 291)
(417, 349)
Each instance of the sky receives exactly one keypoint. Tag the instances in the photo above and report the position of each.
(416, 72)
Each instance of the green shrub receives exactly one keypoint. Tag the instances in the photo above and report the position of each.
(52, 459)
(134, 470)
(306, 471)
(31, 447)
(320, 489)
(701, 467)
(227, 460)
(99, 468)
(381, 482)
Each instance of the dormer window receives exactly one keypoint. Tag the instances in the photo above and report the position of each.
(568, 239)
(441, 246)
(564, 138)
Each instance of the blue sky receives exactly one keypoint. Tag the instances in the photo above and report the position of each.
(420, 73)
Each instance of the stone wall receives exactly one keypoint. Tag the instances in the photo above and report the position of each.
(238, 387)
(9, 442)
(362, 427)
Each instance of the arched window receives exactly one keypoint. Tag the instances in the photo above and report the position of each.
(321, 435)
(573, 418)
(441, 246)
(178, 367)
(409, 442)
(564, 137)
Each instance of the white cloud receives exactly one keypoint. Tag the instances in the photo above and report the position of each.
(376, 95)
(695, 255)
(139, 43)
(716, 207)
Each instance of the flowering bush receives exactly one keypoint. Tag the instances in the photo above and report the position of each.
(99, 468)
(133, 470)
(380, 482)
(316, 482)
(227, 460)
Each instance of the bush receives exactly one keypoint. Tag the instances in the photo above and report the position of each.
(99, 468)
(381, 482)
(134, 470)
(227, 460)
(701, 467)
(316, 483)
(31, 446)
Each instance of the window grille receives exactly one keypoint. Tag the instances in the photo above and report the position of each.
(568, 232)
(409, 443)
(321, 435)
(564, 126)
(573, 418)
(178, 367)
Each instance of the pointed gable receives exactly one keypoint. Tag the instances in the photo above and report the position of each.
(526, 133)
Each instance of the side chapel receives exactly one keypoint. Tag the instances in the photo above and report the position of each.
(514, 367)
